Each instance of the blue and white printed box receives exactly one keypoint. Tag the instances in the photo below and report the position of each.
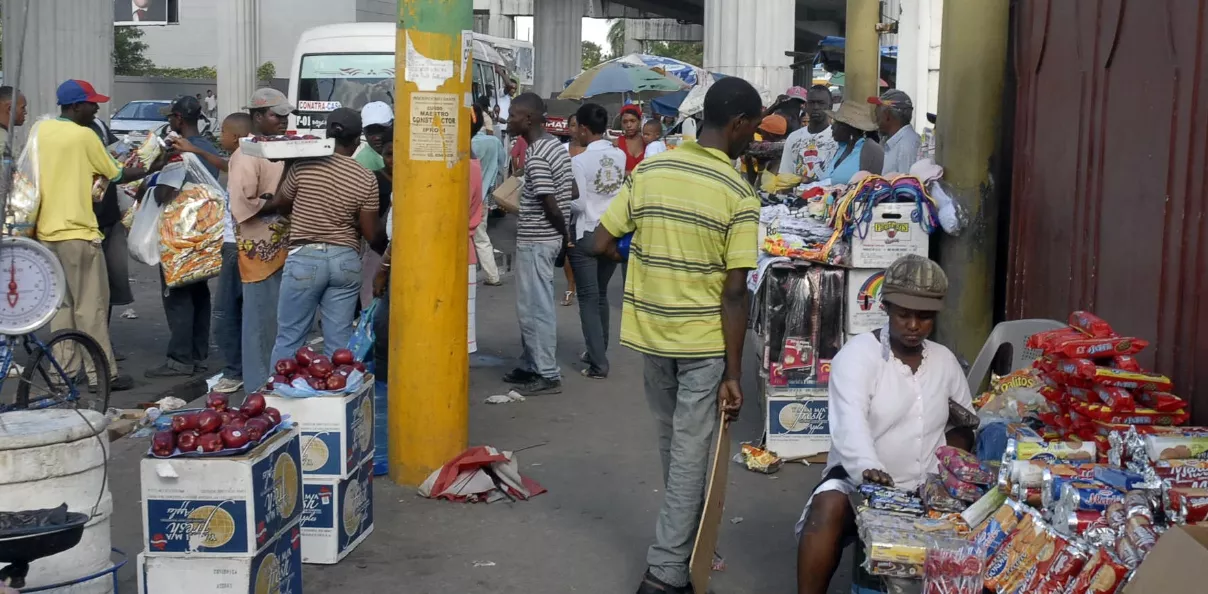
(337, 431)
(277, 569)
(222, 506)
(798, 427)
(337, 514)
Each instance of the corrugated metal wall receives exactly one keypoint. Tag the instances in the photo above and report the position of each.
(1110, 158)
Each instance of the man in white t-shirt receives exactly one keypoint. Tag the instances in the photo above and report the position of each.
(810, 147)
(211, 104)
(890, 394)
(599, 175)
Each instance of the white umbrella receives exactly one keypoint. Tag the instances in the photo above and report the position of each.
(694, 103)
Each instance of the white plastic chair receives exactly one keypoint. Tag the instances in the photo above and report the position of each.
(1015, 334)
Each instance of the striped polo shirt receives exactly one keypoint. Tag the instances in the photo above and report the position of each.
(547, 172)
(693, 218)
(328, 195)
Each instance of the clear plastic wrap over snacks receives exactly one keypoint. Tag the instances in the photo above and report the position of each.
(1013, 406)
(24, 198)
(190, 229)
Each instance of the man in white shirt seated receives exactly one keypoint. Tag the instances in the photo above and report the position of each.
(890, 392)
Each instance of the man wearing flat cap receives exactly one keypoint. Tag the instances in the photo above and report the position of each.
(890, 393)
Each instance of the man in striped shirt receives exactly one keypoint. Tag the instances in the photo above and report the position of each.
(541, 236)
(332, 203)
(694, 222)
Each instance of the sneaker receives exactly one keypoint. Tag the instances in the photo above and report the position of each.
(519, 376)
(585, 358)
(653, 585)
(493, 282)
(169, 369)
(228, 385)
(541, 386)
(593, 373)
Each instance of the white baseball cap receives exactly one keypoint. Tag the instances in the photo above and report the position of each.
(377, 113)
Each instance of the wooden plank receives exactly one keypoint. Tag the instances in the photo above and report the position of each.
(700, 566)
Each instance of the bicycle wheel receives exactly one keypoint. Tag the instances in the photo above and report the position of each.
(59, 375)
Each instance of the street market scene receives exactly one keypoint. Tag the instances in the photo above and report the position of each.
(730, 296)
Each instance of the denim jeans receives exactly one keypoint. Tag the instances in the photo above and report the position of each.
(228, 313)
(682, 394)
(592, 274)
(260, 328)
(187, 310)
(322, 277)
(535, 306)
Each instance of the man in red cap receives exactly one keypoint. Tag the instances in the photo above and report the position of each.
(72, 162)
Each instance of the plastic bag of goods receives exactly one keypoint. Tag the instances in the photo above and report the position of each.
(143, 239)
(190, 229)
(24, 199)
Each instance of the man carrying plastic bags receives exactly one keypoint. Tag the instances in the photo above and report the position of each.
(70, 159)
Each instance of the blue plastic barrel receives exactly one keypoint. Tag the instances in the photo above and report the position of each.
(380, 442)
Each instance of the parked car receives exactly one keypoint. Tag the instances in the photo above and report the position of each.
(141, 117)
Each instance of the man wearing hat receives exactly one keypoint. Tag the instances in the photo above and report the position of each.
(186, 308)
(377, 119)
(889, 397)
(333, 206)
(261, 234)
(901, 142)
(70, 158)
(854, 152)
(789, 106)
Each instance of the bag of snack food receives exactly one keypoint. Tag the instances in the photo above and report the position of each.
(190, 229)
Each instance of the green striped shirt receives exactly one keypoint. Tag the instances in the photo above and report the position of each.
(694, 218)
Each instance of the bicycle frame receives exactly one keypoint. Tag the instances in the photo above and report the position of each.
(31, 341)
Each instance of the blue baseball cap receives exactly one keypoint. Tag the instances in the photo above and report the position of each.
(78, 91)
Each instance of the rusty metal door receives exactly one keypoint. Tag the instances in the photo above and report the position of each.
(1110, 158)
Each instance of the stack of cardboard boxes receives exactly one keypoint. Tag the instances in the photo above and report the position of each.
(894, 232)
(337, 470)
(224, 524)
(797, 423)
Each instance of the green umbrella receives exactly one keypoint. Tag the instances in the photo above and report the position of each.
(619, 77)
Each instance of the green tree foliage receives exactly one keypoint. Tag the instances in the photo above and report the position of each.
(685, 51)
(616, 38)
(128, 48)
(266, 71)
(593, 54)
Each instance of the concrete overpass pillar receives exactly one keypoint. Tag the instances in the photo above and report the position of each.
(62, 39)
(863, 60)
(495, 21)
(557, 44)
(748, 40)
(238, 50)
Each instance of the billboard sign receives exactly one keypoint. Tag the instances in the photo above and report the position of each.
(145, 12)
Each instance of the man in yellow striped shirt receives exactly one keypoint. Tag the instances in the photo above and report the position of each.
(694, 221)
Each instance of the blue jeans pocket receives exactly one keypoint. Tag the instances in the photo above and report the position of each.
(299, 271)
(350, 269)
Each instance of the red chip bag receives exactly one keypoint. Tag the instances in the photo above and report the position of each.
(1126, 362)
(1042, 340)
(1083, 346)
(1140, 416)
(1085, 371)
(1118, 399)
(1161, 401)
(1091, 324)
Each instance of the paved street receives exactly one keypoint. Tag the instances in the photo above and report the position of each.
(589, 533)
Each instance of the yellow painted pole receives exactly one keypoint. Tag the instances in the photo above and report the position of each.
(973, 67)
(428, 380)
(862, 60)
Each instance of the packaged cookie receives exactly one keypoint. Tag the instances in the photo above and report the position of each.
(1089, 496)
(1117, 478)
(1176, 447)
(990, 536)
(1101, 574)
(1181, 473)
(963, 465)
(936, 497)
(1091, 324)
(1186, 505)
(1070, 450)
(1160, 401)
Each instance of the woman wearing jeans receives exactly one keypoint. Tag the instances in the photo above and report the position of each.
(333, 204)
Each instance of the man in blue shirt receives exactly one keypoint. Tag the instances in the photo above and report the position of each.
(187, 308)
(488, 149)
